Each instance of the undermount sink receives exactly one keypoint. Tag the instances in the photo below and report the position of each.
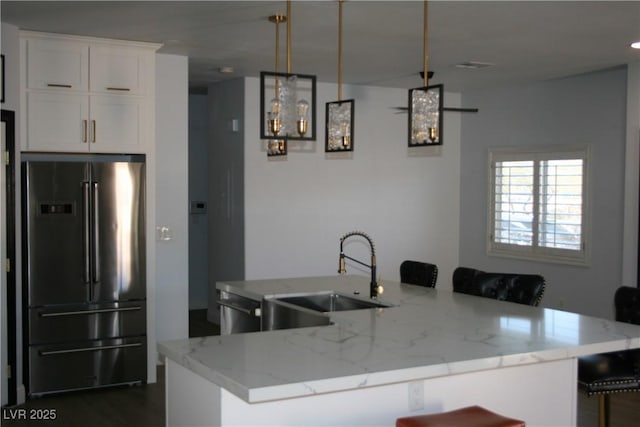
(302, 310)
(329, 301)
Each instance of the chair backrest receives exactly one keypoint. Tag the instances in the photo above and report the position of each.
(419, 273)
(463, 279)
(627, 303)
(520, 288)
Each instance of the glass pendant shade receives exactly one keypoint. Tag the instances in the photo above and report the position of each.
(425, 116)
(339, 126)
(287, 106)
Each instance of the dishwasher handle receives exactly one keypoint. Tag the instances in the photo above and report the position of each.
(257, 311)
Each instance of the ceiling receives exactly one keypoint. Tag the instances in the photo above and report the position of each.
(382, 40)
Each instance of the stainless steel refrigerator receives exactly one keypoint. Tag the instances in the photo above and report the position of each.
(84, 271)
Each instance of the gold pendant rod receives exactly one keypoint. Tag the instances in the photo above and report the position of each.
(339, 50)
(277, 19)
(426, 44)
(288, 36)
(277, 46)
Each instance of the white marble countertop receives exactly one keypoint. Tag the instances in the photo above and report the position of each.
(426, 333)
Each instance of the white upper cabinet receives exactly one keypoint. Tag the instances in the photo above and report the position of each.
(117, 121)
(118, 70)
(55, 65)
(57, 122)
(87, 95)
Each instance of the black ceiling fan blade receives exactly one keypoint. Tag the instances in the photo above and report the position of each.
(461, 110)
(452, 109)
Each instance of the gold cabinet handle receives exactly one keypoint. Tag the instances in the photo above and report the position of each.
(84, 131)
(93, 131)
(58, 85)
(121, 89)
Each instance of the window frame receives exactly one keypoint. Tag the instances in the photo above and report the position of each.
(579, 257)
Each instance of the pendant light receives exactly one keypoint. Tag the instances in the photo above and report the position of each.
(287, 100)
(425, 103)
(339, 114)
(276, 147)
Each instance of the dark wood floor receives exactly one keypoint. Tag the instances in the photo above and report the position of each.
(199, 326)
(143, 406)
(139, 406)
(110, 407)
(625, 410)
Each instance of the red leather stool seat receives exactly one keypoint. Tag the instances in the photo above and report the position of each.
(471, 416)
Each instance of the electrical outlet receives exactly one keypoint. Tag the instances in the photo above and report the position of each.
(416, 395)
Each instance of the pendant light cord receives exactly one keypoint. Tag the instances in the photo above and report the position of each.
(277, 44)
(289, 36)
(339, 50)
(426, 43)
(277, 19)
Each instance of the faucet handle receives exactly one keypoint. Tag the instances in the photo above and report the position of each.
(342, 268)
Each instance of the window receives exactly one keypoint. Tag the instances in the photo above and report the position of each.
(538, 204)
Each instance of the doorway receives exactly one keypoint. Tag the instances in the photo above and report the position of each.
(7, 252)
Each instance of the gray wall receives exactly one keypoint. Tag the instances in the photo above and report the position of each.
(171, 202)
(586, 109)
(226, 185)
(407, 200)
(198, 191)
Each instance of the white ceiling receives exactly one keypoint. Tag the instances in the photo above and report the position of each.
(382, 40)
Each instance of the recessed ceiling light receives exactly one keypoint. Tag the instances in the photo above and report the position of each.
(226, 70)
(474, 65)
(635, 45)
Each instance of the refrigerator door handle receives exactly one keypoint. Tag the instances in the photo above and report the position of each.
(86, 231)
(98, 311)
(83, 349)
(96, 235)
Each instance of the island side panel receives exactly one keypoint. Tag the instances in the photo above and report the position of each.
(191, 401)
(542, 394)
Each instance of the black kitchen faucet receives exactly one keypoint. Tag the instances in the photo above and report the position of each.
(374, 288)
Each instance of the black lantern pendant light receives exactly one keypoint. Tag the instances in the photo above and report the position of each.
(339, 114)
(425, 104)
(276, 147)
(287, 100)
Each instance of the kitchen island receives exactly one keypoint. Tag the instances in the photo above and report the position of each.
(429, 351)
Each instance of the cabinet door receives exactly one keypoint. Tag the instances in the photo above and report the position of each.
(57, 122)
(117, 69)
(57, 65)
(117, 124)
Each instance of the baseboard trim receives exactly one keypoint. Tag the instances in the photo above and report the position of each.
(21, 394)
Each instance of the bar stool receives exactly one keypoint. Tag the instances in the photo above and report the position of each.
(616, 372)
(419, 273)
(471, 416)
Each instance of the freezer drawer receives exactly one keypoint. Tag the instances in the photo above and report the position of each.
(86, 322)
(58, 367)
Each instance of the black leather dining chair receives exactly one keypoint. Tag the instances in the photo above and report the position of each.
(520, 288)
(418, 273)
(615, 372)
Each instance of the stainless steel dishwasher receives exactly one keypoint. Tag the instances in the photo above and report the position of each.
(238, 314)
